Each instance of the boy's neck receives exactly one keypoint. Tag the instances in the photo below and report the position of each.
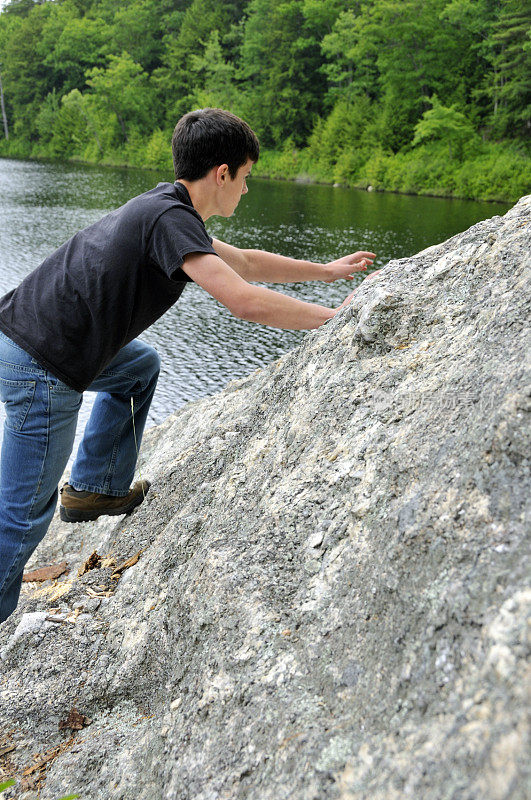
(201, 196)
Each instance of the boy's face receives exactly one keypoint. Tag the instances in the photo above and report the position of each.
(233, 189)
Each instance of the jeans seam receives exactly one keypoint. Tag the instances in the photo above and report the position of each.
(112, 463)
(20, 368)
(35, 493)
(143, 385)
(39, 482)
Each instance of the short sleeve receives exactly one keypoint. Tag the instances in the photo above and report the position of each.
(177, 232)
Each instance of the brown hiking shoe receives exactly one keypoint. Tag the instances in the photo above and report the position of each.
(83, 506)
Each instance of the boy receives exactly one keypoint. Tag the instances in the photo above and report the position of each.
(71, 325)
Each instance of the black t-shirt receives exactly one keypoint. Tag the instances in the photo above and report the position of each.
(106, 285)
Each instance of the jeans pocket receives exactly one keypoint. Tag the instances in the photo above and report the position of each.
(58, 386)
(18, 397)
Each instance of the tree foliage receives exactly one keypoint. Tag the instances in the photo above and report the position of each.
(338, 79)
(445, 124)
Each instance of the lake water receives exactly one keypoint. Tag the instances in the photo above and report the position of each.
(202, 346)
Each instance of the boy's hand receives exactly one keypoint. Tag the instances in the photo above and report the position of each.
(351, 295)
(346, 301)
(343, 268)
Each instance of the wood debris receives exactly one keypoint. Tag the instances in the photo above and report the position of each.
(126, 564)
(63, 617)
(92, 562)
(34, 775)
(58, 589)
(55, 618)
(46, 573)
(92, 593)
(75, 721)
(7, 765)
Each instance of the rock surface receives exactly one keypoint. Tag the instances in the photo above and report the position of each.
(331, 594)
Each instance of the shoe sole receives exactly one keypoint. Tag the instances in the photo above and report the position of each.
(75, 515)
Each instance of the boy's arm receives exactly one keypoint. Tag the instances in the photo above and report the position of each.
(259, 265)
(254, 303)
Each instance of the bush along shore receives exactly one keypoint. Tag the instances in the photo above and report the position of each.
(494, 171)
(491, 173)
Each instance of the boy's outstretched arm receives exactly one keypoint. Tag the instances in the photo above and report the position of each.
(254, 303)
(259, 265)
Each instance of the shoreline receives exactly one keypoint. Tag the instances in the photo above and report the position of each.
(335, 185)
(301, 178)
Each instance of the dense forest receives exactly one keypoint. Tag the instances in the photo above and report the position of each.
(422, 96)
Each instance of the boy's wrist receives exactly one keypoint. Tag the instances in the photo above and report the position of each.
(327, 313)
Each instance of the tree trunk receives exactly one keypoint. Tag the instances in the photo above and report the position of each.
(122, 124)
(90, 125)
(92, 128)
(2, 105)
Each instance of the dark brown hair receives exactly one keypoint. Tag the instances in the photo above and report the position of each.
(209, 137)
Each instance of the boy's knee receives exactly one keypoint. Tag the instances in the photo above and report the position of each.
(155, 361)
(151, 360)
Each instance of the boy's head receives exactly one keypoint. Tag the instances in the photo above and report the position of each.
(209, 137)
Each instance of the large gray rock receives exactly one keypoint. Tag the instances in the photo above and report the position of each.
(330, 599)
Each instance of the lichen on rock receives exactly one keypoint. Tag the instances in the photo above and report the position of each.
(331, 591)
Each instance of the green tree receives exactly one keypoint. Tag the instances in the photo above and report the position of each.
(175, 80)
(213, 77)
(26, 80)
(350, 69)
(21, 8)
(280, 60)
(473, 19)
(5, 124)
(510, 55)
(137, 30)
(348, 80)
(396, 52)
(498, 66)
(4, 33)
(322, 14)
(70, 44)
(80, 127)
(122, 88)
(445, 124)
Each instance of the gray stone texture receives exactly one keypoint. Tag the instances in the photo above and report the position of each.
(331, 597)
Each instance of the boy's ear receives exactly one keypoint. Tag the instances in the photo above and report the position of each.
(222, 174)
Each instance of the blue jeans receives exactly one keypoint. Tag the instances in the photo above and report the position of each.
(41, 416)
